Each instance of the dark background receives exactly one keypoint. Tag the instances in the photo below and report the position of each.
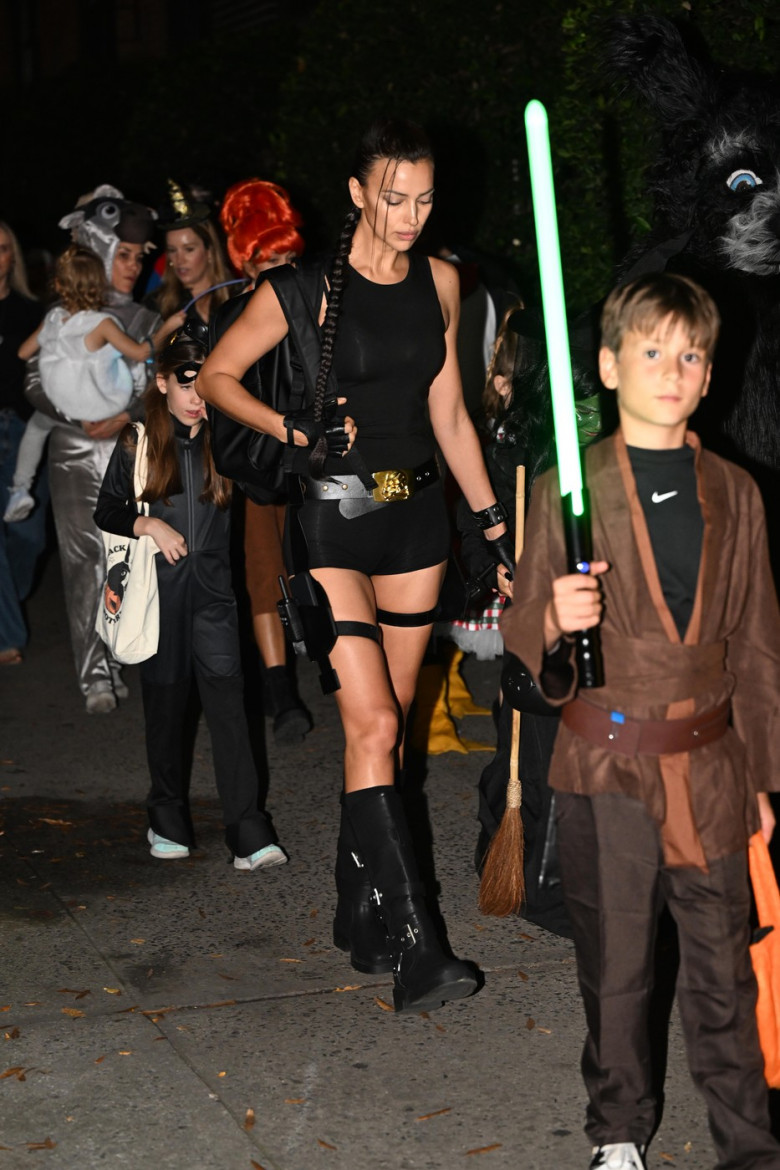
(210, 91)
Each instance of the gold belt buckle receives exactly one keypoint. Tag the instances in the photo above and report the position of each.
(393, 485)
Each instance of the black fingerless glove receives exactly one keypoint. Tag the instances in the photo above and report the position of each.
(329, 426)
(502, 553)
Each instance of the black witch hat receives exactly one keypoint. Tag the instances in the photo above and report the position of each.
(180, 210)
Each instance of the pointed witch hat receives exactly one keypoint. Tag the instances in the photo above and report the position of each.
(180, 210)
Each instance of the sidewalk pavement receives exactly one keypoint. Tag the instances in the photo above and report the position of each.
(183, 1015)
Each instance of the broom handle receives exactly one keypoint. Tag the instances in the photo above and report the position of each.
(514, 759)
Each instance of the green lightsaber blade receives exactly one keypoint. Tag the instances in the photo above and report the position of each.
(558, 356)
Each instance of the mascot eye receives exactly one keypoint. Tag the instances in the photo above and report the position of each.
(108, 212)
(743, 180)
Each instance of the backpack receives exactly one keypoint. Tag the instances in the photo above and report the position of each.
(284, 379)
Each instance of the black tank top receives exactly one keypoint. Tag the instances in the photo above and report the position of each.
(389, 348)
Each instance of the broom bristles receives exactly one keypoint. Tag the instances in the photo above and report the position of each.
(502, 889)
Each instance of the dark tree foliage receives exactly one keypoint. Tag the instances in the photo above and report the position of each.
(290, 101)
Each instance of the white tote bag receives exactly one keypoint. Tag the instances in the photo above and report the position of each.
(128, 618)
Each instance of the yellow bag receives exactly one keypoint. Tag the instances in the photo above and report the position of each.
(765, 955)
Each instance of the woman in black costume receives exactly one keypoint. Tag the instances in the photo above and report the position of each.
(388, 327)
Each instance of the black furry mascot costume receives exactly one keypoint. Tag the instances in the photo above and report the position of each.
(716, 190)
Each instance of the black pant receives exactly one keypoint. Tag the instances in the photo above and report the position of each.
(199, 636)
(614, 879)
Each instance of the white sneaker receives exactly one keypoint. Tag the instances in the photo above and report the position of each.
(262, 859)
(618, 1156)
(165, 850)
(20, 505)
(100, 702)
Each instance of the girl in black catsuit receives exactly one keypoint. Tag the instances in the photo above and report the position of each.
(189, 522)
(388, 327)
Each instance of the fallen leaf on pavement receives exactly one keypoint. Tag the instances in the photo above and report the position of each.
(112, 990)
(125, 1052)
(99, 1059)
(348, 987)
(137, 941)
(326, 1145)
(79, 994)
(547, 1031)
(222, 975)
(530, 1024)
(13, 1034)
(256, 1165)
(5, 1008)
(47, 1145)
(249, 1120)
(522, 975)
(667, 1157)
(437, 1113)
(17, 1071)
(222, 1074)
(484, 1149)
(291, 960)
(54, 821)
(294, 1100)
(386, 1007)
(74, 1013)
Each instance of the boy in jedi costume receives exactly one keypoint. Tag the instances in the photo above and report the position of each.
(660, 774)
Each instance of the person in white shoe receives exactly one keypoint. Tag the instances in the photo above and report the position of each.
(659, 774)
(81, 351)
(189, 521)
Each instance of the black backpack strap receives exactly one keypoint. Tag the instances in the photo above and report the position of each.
(299, 292)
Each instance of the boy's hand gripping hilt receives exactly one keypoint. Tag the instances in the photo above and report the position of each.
(579, 554)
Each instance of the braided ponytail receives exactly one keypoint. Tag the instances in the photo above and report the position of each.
(338, 281)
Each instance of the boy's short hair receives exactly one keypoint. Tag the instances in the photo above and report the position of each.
(642, 304)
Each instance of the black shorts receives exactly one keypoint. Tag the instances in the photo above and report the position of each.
(398, 537)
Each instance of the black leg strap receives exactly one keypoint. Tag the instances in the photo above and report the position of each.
(388, 618)
(358, 630)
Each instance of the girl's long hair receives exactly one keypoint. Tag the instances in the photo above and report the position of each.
(18, 275)
(173, 293)
(395, 141)
(164, 475)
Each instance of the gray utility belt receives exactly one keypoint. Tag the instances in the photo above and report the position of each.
(392, 486)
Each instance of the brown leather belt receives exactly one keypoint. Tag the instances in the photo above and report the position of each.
(616, 732)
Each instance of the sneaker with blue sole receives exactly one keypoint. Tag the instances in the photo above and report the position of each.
(165, 850)
(262, 859)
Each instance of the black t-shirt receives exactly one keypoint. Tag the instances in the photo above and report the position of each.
(666, 483)
(19, 316)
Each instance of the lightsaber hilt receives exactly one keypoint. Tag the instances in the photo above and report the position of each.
(579, 554)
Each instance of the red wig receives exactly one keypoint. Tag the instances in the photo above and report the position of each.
(258, 219)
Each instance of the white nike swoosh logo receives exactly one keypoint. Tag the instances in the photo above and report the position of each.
(657, 498)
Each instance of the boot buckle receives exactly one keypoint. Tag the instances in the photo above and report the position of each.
(407, 938)
(360, 864)
(376, 897)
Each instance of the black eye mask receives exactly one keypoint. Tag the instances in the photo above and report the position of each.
(187, 373)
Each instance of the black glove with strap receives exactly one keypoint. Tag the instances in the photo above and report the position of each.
(500, 549)
(329, 426)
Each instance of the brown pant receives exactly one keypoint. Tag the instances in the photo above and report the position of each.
(614, 881)
(263, 529)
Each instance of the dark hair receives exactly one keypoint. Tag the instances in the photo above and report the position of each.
(643, 304)
(164, 478)
(394, 140)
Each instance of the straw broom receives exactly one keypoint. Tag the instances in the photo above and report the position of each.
(502, 889)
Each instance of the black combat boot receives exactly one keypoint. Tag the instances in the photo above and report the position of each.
(357, 927)
(424, 977)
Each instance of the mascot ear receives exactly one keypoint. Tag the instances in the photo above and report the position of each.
(649, 54)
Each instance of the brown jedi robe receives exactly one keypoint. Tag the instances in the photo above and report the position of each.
(704, 800)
